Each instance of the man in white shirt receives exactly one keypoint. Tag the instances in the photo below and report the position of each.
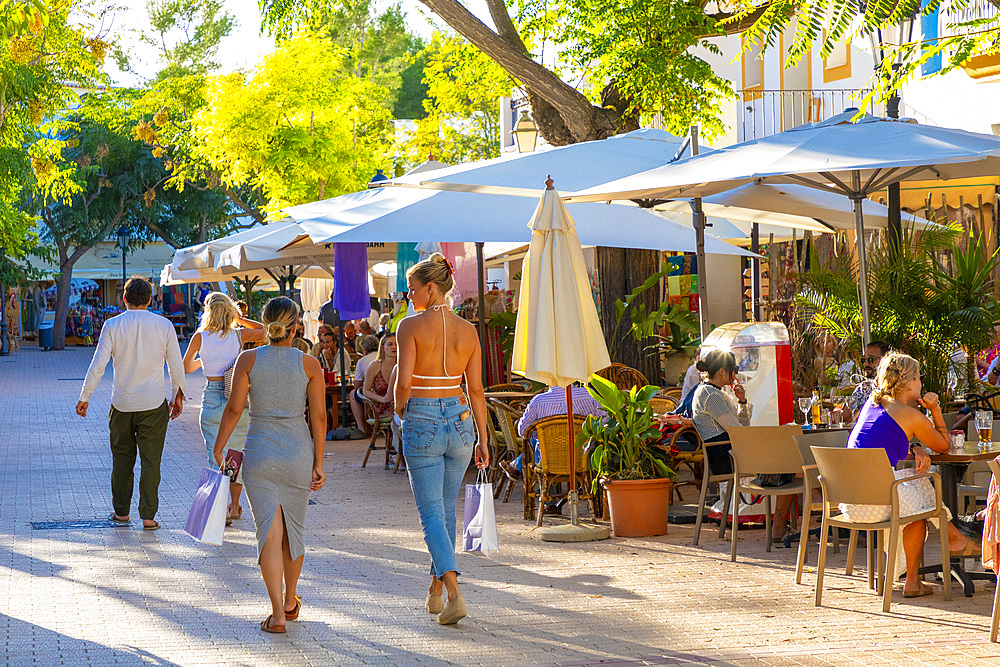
(140, 343)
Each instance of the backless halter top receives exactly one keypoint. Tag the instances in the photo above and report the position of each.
(444, 361)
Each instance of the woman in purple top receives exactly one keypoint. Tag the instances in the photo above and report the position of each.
(891, 420)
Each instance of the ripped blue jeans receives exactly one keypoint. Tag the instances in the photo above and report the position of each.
(438, 439)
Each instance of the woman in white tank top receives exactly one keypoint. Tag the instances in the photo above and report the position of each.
(214, 349)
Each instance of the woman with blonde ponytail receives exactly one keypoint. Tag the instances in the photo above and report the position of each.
(282, 463)
(440, 426)
(214, 349)
(891, 420)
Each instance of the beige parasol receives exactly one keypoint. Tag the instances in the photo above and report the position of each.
(558, 338)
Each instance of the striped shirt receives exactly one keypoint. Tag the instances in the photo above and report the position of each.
(553, 402)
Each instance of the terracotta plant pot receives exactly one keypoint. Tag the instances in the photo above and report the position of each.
(639, 507)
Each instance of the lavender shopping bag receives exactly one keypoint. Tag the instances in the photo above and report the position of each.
(480, 533)
(206, 521)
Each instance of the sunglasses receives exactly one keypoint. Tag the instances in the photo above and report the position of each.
(870, 359)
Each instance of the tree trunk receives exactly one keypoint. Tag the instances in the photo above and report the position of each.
(62, 305)
(620, 270)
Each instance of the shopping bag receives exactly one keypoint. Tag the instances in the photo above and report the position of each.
(480, 533)
(206, 521)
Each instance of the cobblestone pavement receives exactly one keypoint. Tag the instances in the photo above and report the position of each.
(107, 596)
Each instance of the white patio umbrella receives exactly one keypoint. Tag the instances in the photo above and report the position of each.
(202, 255)
(558, 338)
(838, 156)
(411, 215)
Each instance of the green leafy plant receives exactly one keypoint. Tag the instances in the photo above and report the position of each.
(645, 324)
(620, 442)
(935, 296)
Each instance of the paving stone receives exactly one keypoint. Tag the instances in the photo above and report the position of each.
(128, 597)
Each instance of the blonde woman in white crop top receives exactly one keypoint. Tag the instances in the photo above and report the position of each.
(214, 349)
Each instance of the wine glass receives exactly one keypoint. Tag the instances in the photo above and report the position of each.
(805, 405)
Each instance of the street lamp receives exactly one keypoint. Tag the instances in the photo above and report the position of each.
(377, 178)
(525, 133)
(123, 238)
(883, 38)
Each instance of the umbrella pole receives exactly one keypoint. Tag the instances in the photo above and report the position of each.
(480, 270)
(574, 531)
(859, 222)
(699, 232)
(574, 497)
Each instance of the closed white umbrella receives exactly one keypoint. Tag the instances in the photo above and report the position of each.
(558, 338)
(840, 156)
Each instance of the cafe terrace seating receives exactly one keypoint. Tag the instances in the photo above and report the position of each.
(760, 450)
(864, 477)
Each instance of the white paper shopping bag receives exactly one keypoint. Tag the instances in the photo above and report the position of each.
(480, 533)
(206, 521)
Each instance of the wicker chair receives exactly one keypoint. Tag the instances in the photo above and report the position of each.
(380, 427)
(506, 416)
(673, 393)
(553, 465)
(693, 461)
(510, 386)
(624, 377)
(662, 405)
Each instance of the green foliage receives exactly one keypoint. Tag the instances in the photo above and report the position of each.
(412, 90)
(825, 23)
(644, 325)
(293, 130)
(187, 33)
(933, 297)
(506, 322)
(42, 48)
(620, 444)
(374, 43)
(462, 120)
(643, 49)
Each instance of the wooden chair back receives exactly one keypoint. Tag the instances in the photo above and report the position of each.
(553, 444)
(856, 476)
(766, 449)
(819, 439)
(622, 376)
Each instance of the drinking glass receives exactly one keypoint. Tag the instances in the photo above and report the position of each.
(984, 426)
(838, 409)
(805, 405)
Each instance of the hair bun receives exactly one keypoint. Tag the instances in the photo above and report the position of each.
(701, 366)
(276, 331)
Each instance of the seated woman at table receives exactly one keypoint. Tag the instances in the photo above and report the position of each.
(713, 411)
(377, 387)
(890, 420)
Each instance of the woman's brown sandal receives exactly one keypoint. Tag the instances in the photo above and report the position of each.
(266, 626)
(293, 615)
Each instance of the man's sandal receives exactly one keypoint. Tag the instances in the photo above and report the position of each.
(113, 518)
(266, 626)
(153, 526)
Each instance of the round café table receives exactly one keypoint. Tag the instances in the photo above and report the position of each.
(952, 467)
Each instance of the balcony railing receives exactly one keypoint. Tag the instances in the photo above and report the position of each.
(762, 113)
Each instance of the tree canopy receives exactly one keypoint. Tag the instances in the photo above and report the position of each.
(826, 23)
(462, 121)
(635, 58)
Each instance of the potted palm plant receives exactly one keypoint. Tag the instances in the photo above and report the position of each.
(621, 452)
